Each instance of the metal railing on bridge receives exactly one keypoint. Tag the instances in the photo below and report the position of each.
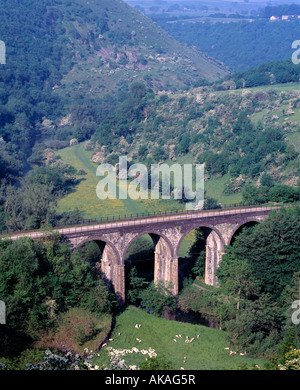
(139, 216)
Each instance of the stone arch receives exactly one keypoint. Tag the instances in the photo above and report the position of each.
(214, 249)
(102, 242)
(196, 226)
(255, 220)
(155, 235)
(112, 267)
(165, 265)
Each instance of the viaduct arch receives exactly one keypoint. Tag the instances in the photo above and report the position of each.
(167, 233)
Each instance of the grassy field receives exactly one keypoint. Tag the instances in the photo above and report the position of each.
(206, 352)
(214, 189)
(85, 199)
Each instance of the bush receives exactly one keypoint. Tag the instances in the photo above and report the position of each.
(156, 363)
(158, 298)
(283, 193)
(100, 300)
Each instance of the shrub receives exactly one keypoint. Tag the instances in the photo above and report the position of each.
(156, 363)
(158, 298)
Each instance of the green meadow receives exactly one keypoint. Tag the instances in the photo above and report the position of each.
(208, 350)
(84, 196)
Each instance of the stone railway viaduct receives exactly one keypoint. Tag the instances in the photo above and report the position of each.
(167, 232)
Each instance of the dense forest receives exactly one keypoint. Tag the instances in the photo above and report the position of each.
(240, 44)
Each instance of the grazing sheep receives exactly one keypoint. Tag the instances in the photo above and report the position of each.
(175, 340)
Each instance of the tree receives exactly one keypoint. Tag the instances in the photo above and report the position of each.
(158, 298)
(136, 285)
(272, 249)
(256, 326)
(184, 144)
(23, 284)
(284, 193)
(254, 195)
(99, 299)
(236, 277)
(138, 90)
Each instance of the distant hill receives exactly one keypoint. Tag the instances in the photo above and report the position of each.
(60, 54)
(240, 45)
(111, 43)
